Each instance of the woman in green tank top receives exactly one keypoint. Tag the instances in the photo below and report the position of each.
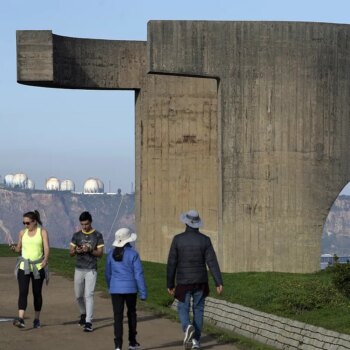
(33, 244)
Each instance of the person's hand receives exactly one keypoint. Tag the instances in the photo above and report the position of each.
(171, 291)
(12, 246)
(87, 248)
(219, 289)
(44, 263)
(79, 249)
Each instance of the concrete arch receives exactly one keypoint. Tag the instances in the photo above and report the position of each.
(336, 230)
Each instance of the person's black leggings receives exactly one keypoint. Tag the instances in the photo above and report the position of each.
(118, 301)
(23, 286)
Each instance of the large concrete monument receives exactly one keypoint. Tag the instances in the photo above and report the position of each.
(247, 122)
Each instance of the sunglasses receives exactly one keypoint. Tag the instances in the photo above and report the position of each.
(27, 222)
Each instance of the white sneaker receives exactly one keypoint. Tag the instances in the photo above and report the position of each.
(189, 334)
(195, 344)
(134, 346)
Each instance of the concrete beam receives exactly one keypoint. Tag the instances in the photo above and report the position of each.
(46, 59)
(34, 57)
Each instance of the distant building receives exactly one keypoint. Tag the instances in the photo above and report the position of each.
(30, 184)
(329, 260)
(8, 180)
(93, 185)
(67, 185)
(52, 184)
(19, 180)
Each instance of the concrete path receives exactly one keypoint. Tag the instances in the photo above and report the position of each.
(59, 321)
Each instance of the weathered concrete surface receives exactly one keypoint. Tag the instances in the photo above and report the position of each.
(280, 134)
(284, 129)
(35, 57)
(46, 59)
(176, 159)
(59, 321)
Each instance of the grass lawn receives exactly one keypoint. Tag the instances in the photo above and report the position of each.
(309, 298)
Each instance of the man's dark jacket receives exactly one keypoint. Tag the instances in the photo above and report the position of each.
(189, 254)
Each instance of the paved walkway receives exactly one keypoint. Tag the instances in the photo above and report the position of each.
(59, 321)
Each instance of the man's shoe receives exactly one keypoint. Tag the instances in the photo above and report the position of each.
(134, 346)
(36, 323)
(195, 344)
(19, 322)
(82, 320)
(189, 334)
(88, 327)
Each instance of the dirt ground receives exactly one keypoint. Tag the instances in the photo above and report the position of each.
(60, 316)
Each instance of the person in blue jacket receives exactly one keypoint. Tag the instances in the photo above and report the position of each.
(125, 278)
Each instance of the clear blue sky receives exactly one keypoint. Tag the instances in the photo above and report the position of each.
(98, 126)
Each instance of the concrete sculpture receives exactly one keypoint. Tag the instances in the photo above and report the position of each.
(247, 122)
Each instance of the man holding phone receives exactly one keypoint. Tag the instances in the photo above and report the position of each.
(87, 245)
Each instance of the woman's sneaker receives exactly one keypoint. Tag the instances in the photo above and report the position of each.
(134, 346)
(82, 320)
(36, 323)
(19, 322)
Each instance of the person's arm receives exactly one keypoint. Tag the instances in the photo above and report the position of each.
(171, 268)
(74, 248)
(46, 246)
(214, 268)
(98, 251)
(108, 271)
(18, 247)
(140, 277)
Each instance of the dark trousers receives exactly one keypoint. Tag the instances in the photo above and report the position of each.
(118, 301)
(23, 286)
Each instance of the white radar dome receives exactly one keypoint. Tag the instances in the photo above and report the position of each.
(101, 185)
(8, 180)
(20, 180)
(67, 185)
(52, 184)
(93, 185)
(30, 184)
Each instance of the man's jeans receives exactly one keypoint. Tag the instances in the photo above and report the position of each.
(84, 288)
(183, 309)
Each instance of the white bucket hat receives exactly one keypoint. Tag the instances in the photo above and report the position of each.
(123, 236)
(192, 219)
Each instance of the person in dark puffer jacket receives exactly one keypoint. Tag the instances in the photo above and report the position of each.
(190, 254)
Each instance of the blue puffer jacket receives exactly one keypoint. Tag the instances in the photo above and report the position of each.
(126, 276)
